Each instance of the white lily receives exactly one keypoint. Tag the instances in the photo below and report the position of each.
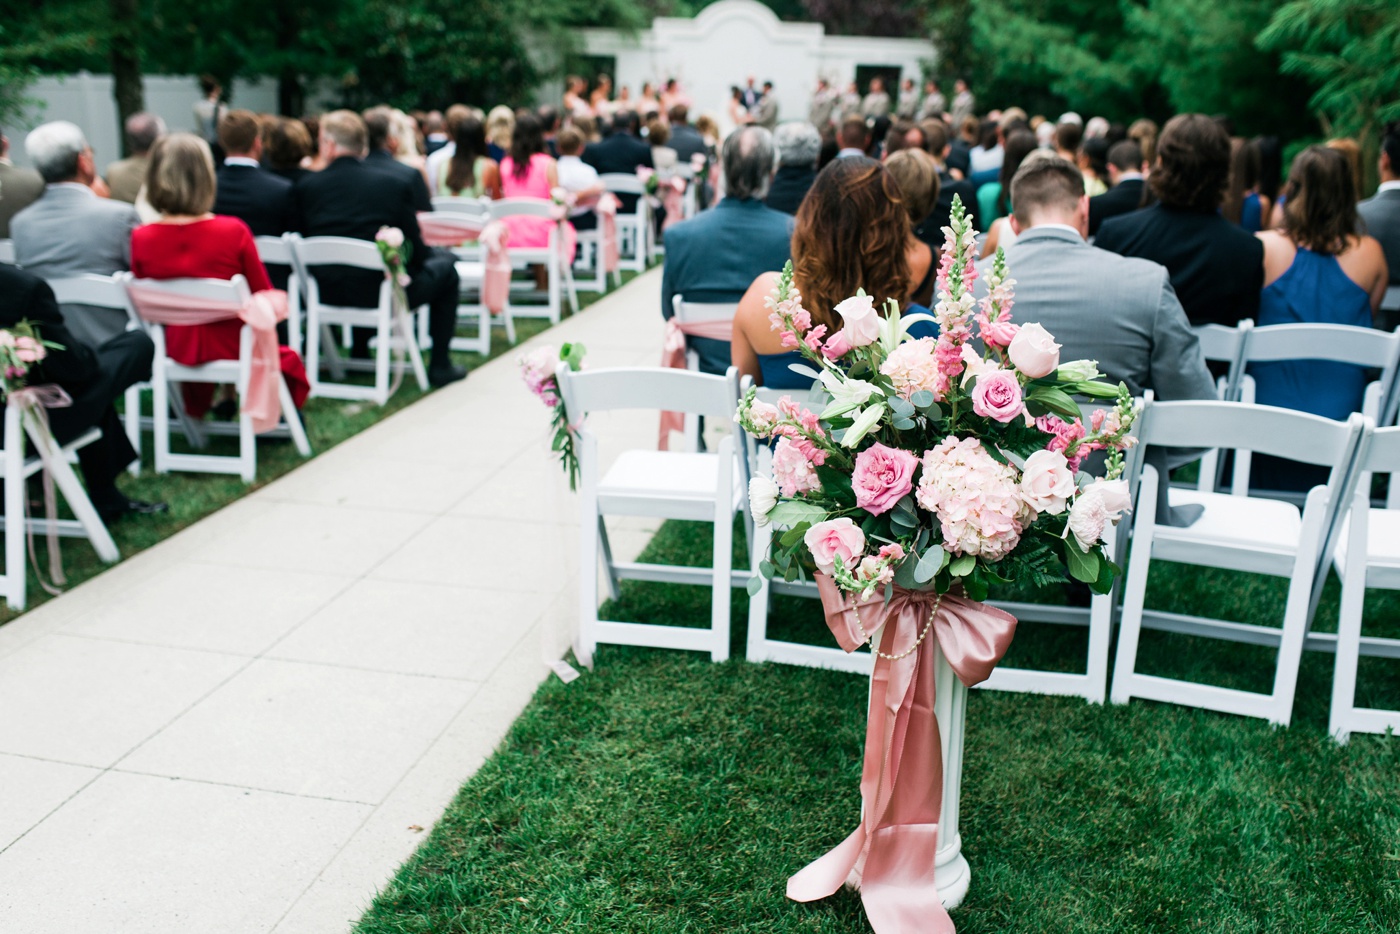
(864, 423)
(846, 394)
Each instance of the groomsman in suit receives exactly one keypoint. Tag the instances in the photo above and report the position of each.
(621, 152)
(716, 255)
(19, 188)
(246, 190)
(94, 377)
(70, 231)
(1119, 311)
(351, 198)
(1382, 213)
(383, 146)
(1125, 173)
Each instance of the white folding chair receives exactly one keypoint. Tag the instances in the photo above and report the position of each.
(238, 372)
(635, 235)
(662, 484)
(15, 469)
(691, 313)
(463, 229)
(1367, 555)
(392, 325)
(278, 251)
(1242, 533)
(558, 269)
(7, 251)
(473, 207)
(590, 259)
(1221, 344)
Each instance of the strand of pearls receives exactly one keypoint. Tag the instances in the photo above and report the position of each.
(855, 612)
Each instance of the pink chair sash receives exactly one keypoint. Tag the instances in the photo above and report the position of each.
(673, 355)
(606, 209)
(438, 230)
(261, 313)
(495, 283)
(673, 200)
(891, 855)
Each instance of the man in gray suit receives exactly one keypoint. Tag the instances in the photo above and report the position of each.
(1117, 310)
(18, 187)
(70, 230)
(1382, 216)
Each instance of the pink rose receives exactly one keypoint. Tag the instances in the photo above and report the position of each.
(392, 237)
(1046, 482)
(837, 346)
(764, 418)
(998, 395)
(860, 320)
(894, 551)
(826, 540)
(883, 475)
(1034, 352)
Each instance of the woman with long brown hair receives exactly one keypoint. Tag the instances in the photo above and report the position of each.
(851, 232)
(470, 173)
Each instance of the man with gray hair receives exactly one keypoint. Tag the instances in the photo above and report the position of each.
(126, 176)
(715, 256)
(70, 231)
(799, 146)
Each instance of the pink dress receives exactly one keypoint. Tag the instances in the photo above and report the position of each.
(529, 232)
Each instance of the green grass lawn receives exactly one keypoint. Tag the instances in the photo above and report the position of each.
(194, 496)
(664, 794)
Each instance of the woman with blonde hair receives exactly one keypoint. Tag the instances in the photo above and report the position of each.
(916, 175)
(500, 124)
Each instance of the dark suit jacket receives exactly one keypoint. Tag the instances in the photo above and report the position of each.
(621, 153)
(1382, 216)
(351, 199)
(930, 230)
(716, 255)
(789, 187)
(1216, 267)
(959, 155)
(380, 159)
(260, 199)
(1123, 198)
(686, 141)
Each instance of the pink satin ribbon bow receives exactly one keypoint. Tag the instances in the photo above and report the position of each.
(443, 229)
(37, 400)
(495, 281)
(891, 855)
(261, 313)
(673, 355)
(606, 209)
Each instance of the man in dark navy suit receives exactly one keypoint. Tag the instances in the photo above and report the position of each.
(249, 192)
(1125, 172)
(622, 152)
(383, 148)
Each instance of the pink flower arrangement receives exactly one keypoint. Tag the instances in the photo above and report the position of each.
(912, 367)
(882, 477)
(832, 539)
(538, 370)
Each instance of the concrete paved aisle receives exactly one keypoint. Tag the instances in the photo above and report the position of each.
(238, 729)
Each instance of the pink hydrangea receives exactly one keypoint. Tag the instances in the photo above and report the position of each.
(537, 369)
(975, 498)
(913, 367)
(793, 472)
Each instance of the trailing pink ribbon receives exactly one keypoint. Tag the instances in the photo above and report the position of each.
(36, 401)
(260, 312)
(495, 281)
(673, 201)
(673, 355)
(606, 209)
(891, 855)
(446, 229)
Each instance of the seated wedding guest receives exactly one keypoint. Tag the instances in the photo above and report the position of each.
(189, 241)
(350, 199)
(1216, 268)
(916, 176)
(433, 168)
(549, 124)
(70, 231)
(125, 177)
(1382, 212)
(959, 159)
(529, 172)
(246, 190)
(798, 145)
(854, 137)
(500, 123)
(994, 200)
(1316, 271)
(930, 229)
(94, 377)
(434, 132)
(469, 172)
(1069, 134)
(685, 139)
(1093, 163)
(988, 154)
(19, 187)
(287, 146)
(385, 141)
(714, 256)
(851, 233)
(658, 135)
(1243, 204)
(1351, 150)
(1125, 175)
(621, 152)
(578, 178)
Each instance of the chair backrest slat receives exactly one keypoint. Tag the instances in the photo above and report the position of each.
(660, 388)
(1285, 433)
(94, 290)
(620, 183)
(338, 251)
(1383, 453)
(472, 207)
(522, 207)
(702, 311)
(1338, 343)
(274, 250)
(233, 291)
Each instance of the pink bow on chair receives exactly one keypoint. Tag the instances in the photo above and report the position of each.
(260, 312)
(673, 355)
(606, 209)
(495, 283)
(438, 230)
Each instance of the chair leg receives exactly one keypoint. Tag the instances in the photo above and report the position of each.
(160, 394)
(16, 571)
(247, 449)
(292, 417)
(415, 357)
(760, 543)
(586, 642)
(383, 355)
(723, 553)
(131, 421)
(510, 323)
(83, 510)
(1349, 622)
(1296, 613)
(1135, 593)
(605, 548)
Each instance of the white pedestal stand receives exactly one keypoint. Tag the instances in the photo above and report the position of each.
(951, 872)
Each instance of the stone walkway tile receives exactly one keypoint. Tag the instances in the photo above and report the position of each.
(496, 554)
(134, 854)
(195, 605)
(306, 729)
(435, 630)
(90, 701)
(31, 788)
(395, 483)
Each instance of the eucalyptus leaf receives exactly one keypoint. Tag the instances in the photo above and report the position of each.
(765, 568)
(900, 407)
(794, 535)
(755, 585)
(922, 399)
(962, 565)
(903, 424)
(930, 563)
(790, 512)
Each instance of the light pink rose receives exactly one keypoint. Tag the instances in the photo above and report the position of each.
(860, 320)
(912, 367)
(882, 476)
(894, 551)
(1087, 518)
(1046, 482)
(998, 395)
(837, 346)
(1034, 352)
(1114, 494)
(391, 237)
(763, 416)
(826, 540)
(793, 472)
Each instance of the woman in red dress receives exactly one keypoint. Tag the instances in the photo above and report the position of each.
(188, 241)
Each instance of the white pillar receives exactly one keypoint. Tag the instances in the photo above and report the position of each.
(952, 874)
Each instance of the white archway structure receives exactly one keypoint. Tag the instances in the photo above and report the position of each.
(732, 39)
